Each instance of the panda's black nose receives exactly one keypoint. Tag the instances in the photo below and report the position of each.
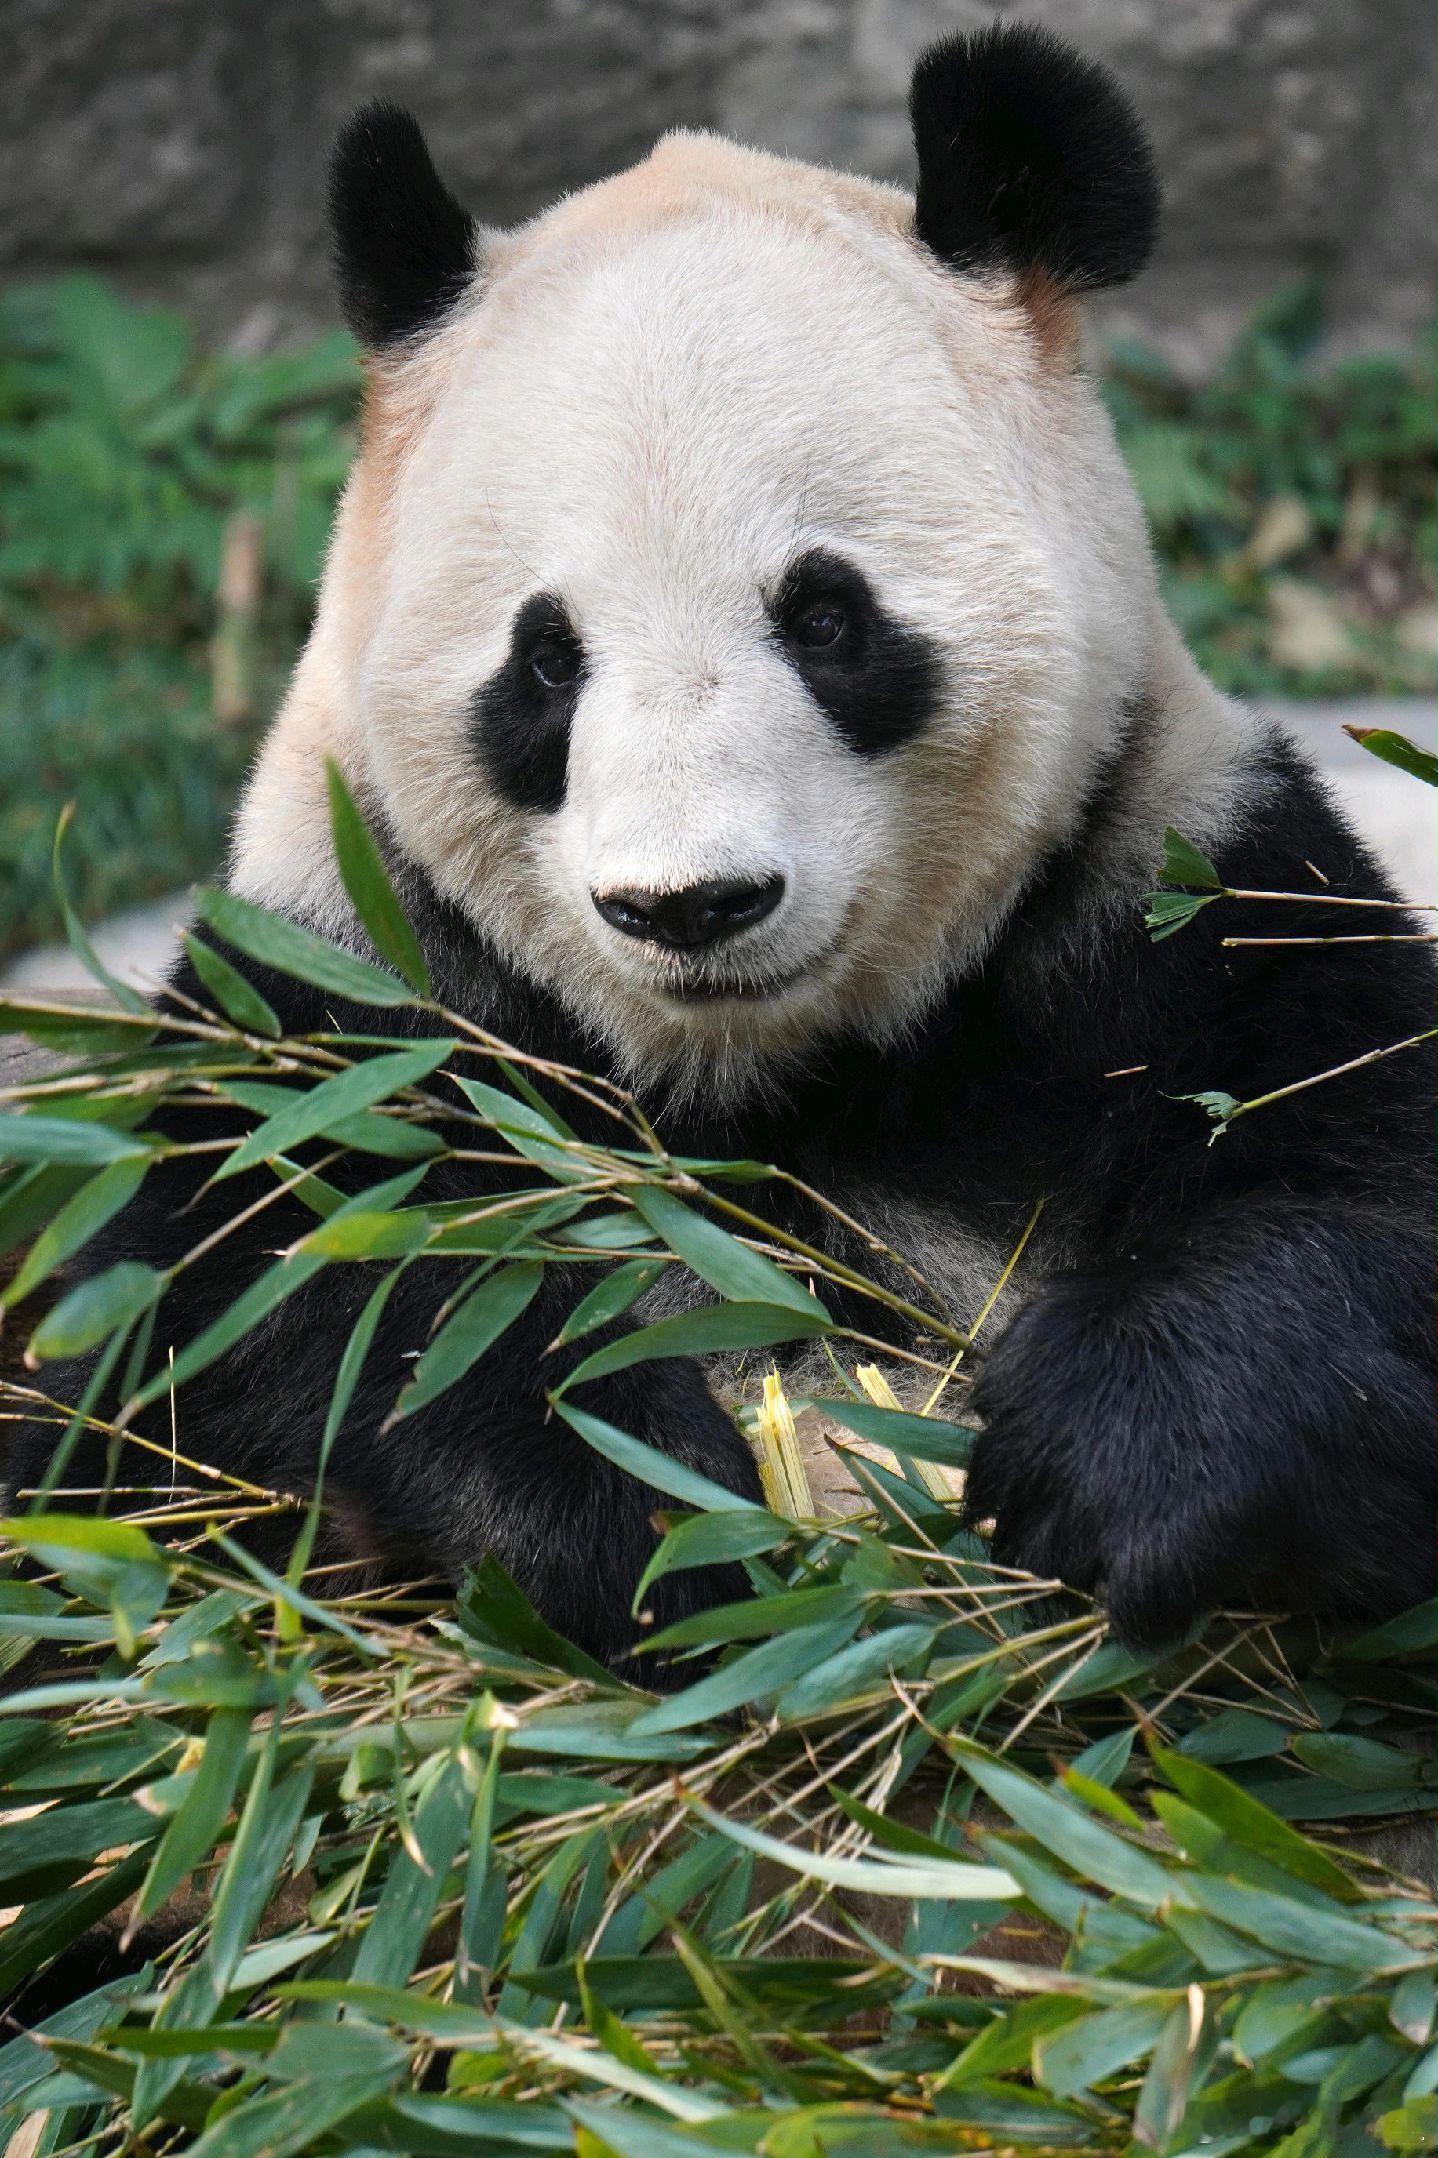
(701, 914)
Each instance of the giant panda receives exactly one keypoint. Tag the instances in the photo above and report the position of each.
(742, 631)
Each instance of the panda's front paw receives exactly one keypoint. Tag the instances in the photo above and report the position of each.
(1078, 1484)
(1131, 1452)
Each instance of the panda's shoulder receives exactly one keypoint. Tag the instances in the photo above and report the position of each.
(1293, 833)
(1080, 970)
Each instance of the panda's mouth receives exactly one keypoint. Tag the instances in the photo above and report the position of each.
(680, 986)
(700, 989)
(691, 983)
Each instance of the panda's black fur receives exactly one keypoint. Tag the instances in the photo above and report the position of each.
(1222, 1391)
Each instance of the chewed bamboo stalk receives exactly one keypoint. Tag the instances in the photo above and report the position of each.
(940, 1482)
(782, 1475)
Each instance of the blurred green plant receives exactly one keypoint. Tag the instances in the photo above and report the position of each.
(1292, 505)
(163, 513)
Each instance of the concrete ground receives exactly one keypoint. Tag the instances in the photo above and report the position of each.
(1397, 814)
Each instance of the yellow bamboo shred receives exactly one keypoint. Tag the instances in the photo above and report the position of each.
(782, 1474)
(940, 1482)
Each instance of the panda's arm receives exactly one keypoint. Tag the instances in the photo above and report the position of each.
(485, 1467)
(1230, 1398)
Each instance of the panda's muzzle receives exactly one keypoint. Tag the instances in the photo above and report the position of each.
(695, 918)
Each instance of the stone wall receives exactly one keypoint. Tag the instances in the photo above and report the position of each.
(179, 144)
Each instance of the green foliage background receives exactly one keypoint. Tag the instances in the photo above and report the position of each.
(1292, 505)
(126, 455)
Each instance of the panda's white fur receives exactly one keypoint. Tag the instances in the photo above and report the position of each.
(653, 398)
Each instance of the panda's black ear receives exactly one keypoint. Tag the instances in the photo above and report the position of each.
(1031, 159)
(404, 249)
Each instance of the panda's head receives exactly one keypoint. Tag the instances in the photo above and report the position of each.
(738, 585)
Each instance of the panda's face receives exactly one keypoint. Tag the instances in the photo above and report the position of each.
(731, 644)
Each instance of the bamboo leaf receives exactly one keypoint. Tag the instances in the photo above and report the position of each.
(1396, 749)
(1363, 1764)
(30, 1137)
(713, 1539)
(1242, 1818)
(25, 2062)
(263, 1296)
(72, 1031)
(369, 1234)
(854, 1671)
(1297, 1929)
(739, 1274)
(369, 887)
(1185, 2046)
(328, 1105)
(1414, 2007)
(73, 1834)
(263, 1839)
(1071, 1835)
(202, 1814)
(1185, 865)
(1082, 2054)
(482, 1914)
(369, 1131)
(611, 1297)
(58, 1538)
(415, 1882)
(127, 998)
(237, 998)
(752, 1676)
(760, 1615)
(496, 1608)
(31, 1197)
(534, 1132)
(357, 1348)
(1007, 2043)
(649, 1464)
(922, 1438)
(81, 1218)
(606, 2026)
(471, 1330)
(698, 1333)
(246, 1312)
(944, 1880)
(607, 2132)
(280, 2123)
(1412, 1633)
(602, 2068)
(46, 1928)
(96, 1309)
(1165, 913)
(284, 945)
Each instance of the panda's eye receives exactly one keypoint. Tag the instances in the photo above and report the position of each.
(554, 661)
(820, 623)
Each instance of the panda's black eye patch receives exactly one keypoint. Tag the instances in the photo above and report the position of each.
(876, 680)
(520, 719)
